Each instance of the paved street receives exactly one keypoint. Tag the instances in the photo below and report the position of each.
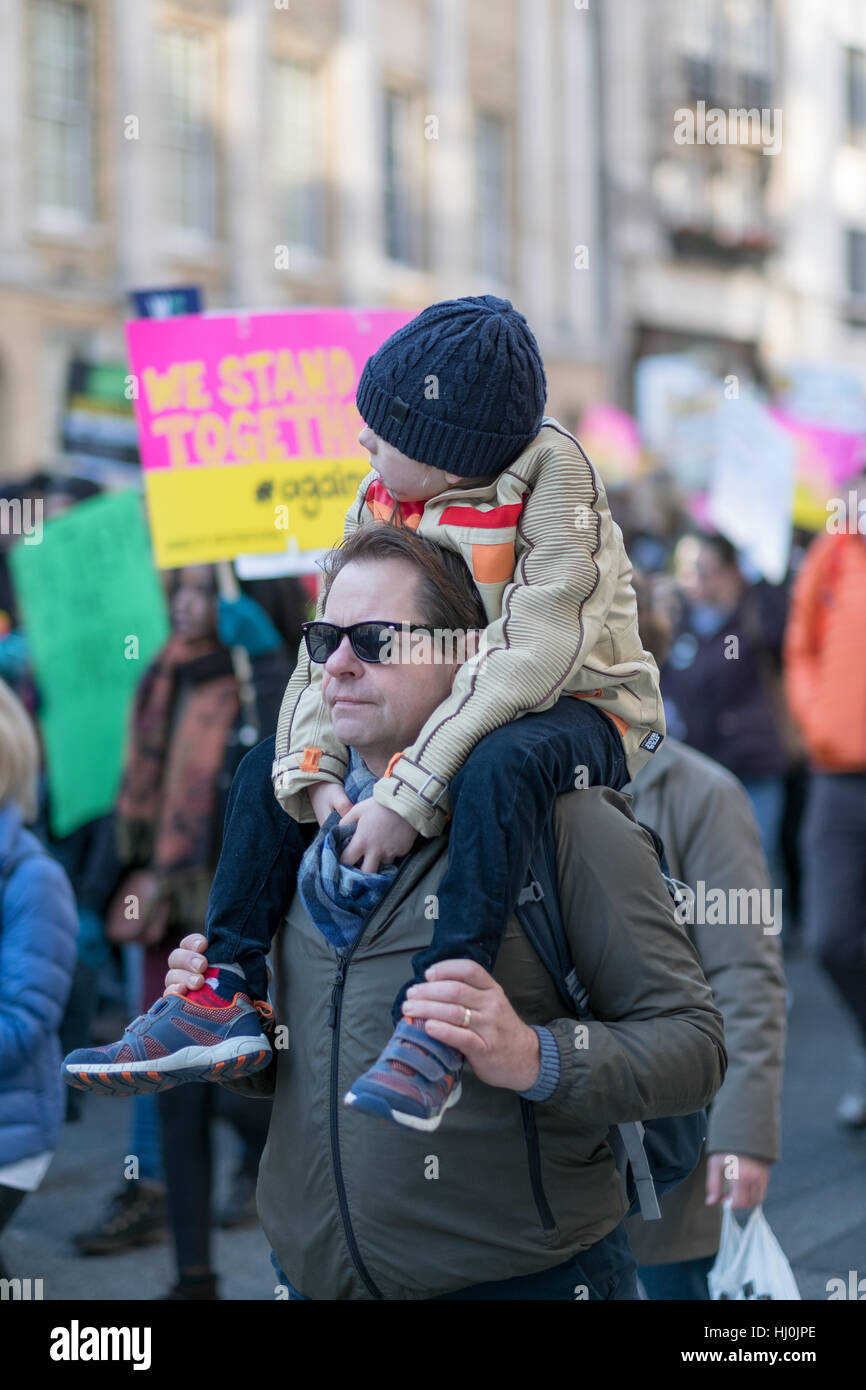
(87, 1169)
(817, 1203)
(817, 1199)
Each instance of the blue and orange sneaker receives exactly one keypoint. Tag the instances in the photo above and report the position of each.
(413, 1082)
(194, 1037)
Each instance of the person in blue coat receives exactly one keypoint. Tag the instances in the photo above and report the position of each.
(38, 932)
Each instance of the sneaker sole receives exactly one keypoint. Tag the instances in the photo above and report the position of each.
(234, 1057)
(377, 1105)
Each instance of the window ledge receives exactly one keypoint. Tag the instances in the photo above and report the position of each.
(484, 283)
(404, 275)
(703, 243)
(304, 261)
(178, 244)
(65, 227)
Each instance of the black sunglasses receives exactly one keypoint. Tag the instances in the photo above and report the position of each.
(367, 639)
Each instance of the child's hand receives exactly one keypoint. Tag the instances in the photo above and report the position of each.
(187, 965)
(381, 836)
(326, 797)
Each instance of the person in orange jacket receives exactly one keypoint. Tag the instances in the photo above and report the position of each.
(825, 680)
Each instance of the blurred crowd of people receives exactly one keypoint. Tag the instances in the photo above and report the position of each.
(768, 682)
(199, 707)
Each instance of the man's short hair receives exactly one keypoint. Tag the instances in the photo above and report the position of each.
(447, 596)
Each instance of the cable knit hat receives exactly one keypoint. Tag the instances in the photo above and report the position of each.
(461, 387)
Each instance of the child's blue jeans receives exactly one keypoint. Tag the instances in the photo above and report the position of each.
(501, 801)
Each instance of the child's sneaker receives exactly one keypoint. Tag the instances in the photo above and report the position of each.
(200, 1036)
(413, 1082)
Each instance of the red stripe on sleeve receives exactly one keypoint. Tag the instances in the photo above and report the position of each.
(489, 520)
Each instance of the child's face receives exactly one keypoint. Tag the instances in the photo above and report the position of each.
(405, 478)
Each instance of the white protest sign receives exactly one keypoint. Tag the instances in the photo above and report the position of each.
(751, 494)
(677, 404)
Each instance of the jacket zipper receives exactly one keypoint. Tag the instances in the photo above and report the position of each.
(334, 1017)
(533, 1154)
(334, 1023)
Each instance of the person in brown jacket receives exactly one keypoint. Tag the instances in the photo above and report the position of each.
(825, 678)
(712, 842)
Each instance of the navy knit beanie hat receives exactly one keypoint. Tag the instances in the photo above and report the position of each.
(461, 387)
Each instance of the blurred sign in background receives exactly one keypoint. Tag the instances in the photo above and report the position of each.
(95, 615)
(249, 429)
(98, 419)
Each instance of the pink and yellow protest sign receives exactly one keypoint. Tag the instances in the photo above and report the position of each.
(611, 439)
(826, 458)
(248, 427)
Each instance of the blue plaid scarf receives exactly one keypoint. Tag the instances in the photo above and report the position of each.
(337, 896)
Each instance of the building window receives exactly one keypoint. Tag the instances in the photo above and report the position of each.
(187, 68)
(748, 46)
(857, 264)
(855, 87)
(298, 155)
(62, 113)
(694, 23)
(493, 222)
(713, 198)
(402, 163)
(726, 48)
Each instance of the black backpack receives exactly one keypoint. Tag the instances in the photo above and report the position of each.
(652, 1157)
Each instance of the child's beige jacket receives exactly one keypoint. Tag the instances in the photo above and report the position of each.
(552, 571)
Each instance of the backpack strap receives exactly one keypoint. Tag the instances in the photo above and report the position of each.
(539, 915)
(626, 1140)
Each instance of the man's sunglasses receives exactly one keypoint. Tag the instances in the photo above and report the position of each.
(367, 639)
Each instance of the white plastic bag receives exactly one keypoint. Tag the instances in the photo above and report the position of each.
(751, 1263)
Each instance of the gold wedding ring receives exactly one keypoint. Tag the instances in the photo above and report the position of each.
(467, 1017)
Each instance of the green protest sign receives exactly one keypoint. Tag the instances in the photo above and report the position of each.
(95, 615)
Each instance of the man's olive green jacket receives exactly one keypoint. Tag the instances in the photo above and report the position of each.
(357, 1208)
